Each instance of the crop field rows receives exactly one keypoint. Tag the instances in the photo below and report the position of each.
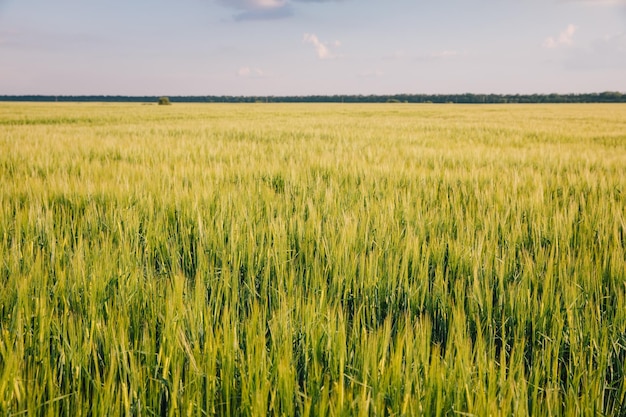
(300, 259)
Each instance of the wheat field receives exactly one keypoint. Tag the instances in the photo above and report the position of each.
(312, 259)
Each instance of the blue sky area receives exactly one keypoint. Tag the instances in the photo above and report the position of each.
(302, 47)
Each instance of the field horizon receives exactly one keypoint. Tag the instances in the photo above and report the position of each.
(459, 98)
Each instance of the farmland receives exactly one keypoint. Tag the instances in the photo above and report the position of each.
(300, 259)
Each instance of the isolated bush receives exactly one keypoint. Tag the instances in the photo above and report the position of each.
(164, 101)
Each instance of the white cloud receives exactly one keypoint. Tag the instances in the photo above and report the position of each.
(265, 9)
(267, 3)
(253, 4)
(264, 14)
(259, 9)
(318, 1)
(445, 54)
(564, 38)
(322, 49)
(257, 4)
(247, 72)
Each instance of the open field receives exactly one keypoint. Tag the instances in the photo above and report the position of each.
(312, 260)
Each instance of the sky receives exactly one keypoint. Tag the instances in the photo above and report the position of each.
(306, 47)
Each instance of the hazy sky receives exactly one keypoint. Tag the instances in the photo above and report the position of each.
(297, 47)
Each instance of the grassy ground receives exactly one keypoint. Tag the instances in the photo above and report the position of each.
(312, 259)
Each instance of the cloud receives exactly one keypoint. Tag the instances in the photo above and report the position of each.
(248, 72)
(265, 9)
(445, 54)
(322, 49)
(264, 14)
(258, 9)
(259, 4)
(564, 38)
(253, 4)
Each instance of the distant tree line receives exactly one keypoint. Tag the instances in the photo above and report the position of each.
(467, 98)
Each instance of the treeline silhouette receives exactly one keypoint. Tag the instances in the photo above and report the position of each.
(467, 98)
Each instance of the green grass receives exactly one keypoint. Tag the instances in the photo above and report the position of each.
(312, 260)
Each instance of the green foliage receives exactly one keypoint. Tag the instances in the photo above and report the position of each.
(164, 101)
(312, 260)
(603, 97)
